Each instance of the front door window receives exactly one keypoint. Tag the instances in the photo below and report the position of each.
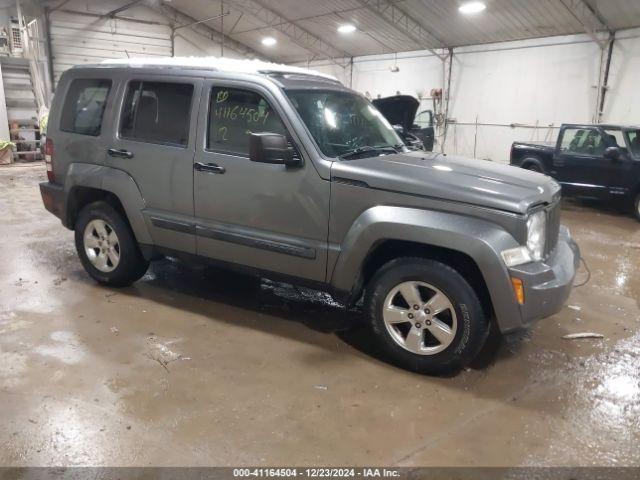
(582, 141)
(233, 115)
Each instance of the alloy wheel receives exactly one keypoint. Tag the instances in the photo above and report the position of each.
(420, 317)
(101, 245)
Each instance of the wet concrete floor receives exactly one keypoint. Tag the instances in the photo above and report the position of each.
(196, 366)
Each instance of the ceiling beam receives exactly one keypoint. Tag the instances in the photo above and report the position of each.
(121, 9)
(290, 29)
(395, 17)
(590, 20)
(179, 19)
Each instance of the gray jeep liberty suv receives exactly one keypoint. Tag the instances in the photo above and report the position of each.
(288, 174)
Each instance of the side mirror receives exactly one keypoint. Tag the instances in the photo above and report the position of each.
(272, 148)
(613, 153)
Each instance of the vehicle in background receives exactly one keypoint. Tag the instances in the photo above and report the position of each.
(288, 174)
(415, 130)
(589, 161)
(409, 139)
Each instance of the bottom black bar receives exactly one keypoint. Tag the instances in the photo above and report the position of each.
(404, 473)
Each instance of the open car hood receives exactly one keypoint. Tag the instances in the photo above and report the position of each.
(399, 109)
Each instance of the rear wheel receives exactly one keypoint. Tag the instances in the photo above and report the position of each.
(636, 207)
(534, 167)
(106, 246)
(425, 316)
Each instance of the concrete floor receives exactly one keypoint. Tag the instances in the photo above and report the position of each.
(195, 366)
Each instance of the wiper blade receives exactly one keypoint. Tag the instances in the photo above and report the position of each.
(369, 149)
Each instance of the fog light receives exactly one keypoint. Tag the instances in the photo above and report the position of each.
(518, 289)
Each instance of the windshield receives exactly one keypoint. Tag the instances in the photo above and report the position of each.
(633, 140)
(342, 123)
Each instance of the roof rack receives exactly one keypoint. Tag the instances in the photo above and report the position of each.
(310, 75)
(220, 64)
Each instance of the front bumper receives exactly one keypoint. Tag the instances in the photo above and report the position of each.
(547, 284)
(53, 198)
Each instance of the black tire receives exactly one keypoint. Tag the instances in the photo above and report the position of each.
(131, 265)
(534, 167)
(472, 327)
(636, 207)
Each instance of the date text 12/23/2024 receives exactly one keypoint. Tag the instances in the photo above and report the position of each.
(316, 472)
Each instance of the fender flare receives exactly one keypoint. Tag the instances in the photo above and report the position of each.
(482, 241)
(114, 181)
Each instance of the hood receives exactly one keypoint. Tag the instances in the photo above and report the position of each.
(459, 179)
(398, 110)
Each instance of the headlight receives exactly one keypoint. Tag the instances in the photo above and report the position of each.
(536, 229)
(534, 249)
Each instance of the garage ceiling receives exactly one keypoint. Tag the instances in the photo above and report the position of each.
(306, 30)
(383, 28)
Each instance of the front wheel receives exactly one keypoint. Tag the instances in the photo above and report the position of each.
(636, 207)
(106, 246)
(425, 316)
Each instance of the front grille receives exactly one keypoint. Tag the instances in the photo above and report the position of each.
(553, 227)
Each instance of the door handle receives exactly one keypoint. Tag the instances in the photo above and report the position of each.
(114, 152)
(208, 167)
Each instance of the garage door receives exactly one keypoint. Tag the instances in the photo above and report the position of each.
(78, 38)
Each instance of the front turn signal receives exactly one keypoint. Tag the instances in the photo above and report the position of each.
(518, 289)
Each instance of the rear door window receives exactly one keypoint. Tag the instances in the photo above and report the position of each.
(84, 106)
(616, 138)
(634, 142)
(157, 112)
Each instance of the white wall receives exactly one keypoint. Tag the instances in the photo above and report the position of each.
(622, 102)
(85, 38)
(417, 75)
(80, 36)
(542, 82)
(535, 82)
(189, 43)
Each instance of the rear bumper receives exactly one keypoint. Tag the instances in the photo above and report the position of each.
(548, 284)
(53, 198)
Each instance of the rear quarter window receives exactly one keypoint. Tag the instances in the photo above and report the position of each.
(84, 106)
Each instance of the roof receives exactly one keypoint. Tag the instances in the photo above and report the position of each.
(624, 127)
(219, 64)
(601, 125)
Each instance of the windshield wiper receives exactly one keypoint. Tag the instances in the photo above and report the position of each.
(370, 149)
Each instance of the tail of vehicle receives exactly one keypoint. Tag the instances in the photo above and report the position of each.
(531, 155)
(48, 159)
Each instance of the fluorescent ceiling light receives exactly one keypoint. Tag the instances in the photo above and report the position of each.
(347, 28)
(472, 7)
(269, 41)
